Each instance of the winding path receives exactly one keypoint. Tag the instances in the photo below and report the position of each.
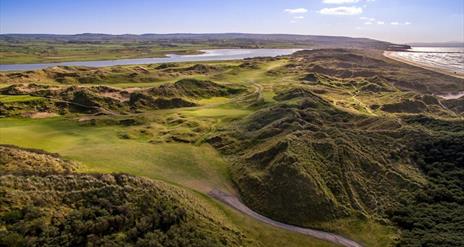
(235, 203)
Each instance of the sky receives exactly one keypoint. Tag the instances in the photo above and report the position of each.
(400, 21)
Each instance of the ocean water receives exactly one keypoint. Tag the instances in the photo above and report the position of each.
(207, 55)
(449, 58)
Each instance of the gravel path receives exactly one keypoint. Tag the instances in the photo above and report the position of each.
(234, 202)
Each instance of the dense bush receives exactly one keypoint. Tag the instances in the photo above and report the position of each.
(14, 160)
(434, 216)
(55, 207)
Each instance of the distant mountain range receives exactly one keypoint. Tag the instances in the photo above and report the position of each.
(216, 38)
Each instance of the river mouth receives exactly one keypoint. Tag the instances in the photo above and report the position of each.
(207, 55)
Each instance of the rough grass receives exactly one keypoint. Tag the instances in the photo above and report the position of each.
(368, 232)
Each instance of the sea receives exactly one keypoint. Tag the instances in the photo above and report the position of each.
(448, 58)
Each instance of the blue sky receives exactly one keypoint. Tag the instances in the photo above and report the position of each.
(390, 20)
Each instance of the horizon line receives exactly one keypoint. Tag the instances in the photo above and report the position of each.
(205, 33)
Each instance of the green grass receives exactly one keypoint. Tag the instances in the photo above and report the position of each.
(18, 98)
(213, 100)
(268, 96)
(218, 112)
(132, 85)
(368, 232)
(38, 52)
(100, 149)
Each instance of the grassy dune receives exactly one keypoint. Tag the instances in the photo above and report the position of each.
(320, 139)
(100, 150)
(41, 192)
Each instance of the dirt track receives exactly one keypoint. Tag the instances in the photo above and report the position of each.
(235, 203)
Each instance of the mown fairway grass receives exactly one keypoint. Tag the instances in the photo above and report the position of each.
(218, 112)
(100, 149)
(17, 98)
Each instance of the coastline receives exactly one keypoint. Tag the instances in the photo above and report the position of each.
(390, 54)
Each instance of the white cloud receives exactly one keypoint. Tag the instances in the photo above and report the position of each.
(339, 1)
(370, 21)
(296, 11)
(366, 18)
(298, 17)
(341, 11)
(397, 23)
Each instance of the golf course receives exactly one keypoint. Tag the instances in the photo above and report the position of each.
(320, 139)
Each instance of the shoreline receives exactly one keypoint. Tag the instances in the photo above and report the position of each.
(389, 54)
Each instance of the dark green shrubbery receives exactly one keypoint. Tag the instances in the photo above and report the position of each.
(105, 210)
(55, 207)
(434, 216)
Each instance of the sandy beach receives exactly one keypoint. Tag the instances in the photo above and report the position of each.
(392, 55)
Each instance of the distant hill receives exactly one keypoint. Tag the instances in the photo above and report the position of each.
(223, 38)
